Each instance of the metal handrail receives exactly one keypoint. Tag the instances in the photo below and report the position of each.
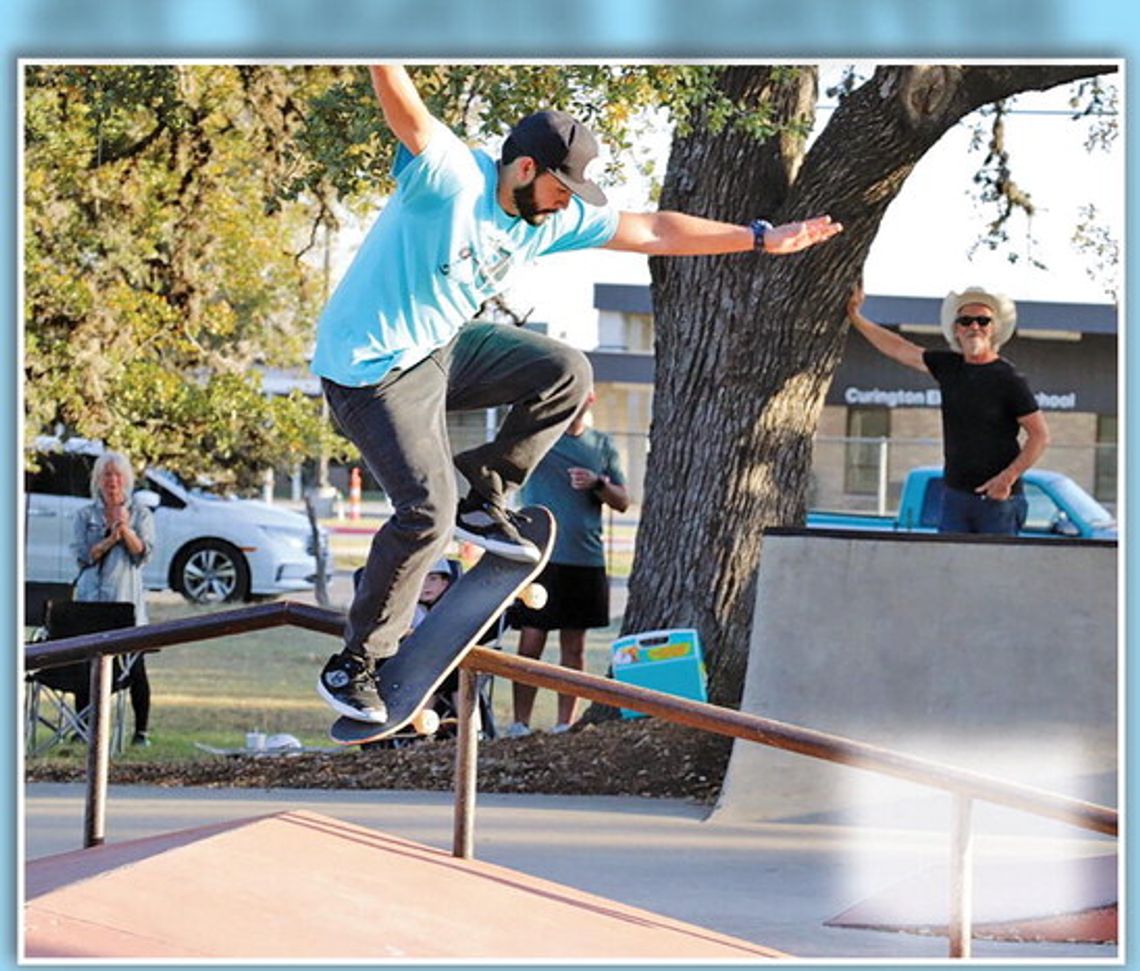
(966, 786)
(794, 738)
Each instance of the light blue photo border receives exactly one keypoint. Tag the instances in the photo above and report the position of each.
(622, 29)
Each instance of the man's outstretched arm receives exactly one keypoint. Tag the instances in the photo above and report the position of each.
(678, 234)
(404, 110)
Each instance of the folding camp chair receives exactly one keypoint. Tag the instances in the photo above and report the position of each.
(57, 699)
(37, 594)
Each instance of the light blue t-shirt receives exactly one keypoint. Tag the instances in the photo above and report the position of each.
(578, 513)
(440, 248)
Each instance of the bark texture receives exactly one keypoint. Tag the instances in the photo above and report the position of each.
(746, 345)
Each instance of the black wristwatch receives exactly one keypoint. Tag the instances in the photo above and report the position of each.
(601, 484)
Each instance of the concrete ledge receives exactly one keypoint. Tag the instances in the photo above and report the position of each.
(997, 657)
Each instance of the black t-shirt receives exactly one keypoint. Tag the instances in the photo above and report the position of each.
(981, 404)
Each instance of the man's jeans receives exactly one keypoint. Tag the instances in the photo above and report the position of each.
(971, 512)
(400, 427)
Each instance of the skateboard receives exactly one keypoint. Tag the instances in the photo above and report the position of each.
(431, 652)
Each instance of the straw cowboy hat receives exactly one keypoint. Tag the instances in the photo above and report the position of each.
(1004, 309)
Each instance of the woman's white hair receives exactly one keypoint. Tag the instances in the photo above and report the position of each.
(118, 462)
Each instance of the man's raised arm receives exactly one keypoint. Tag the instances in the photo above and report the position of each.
(884, 341)
(404, 110)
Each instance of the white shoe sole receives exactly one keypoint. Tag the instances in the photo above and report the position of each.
(347, 710)
(508, 551)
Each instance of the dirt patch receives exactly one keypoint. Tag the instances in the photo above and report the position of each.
(644, 757)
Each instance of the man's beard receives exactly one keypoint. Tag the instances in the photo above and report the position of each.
(527, 207)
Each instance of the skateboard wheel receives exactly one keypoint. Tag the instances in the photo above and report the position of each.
(426, 722)
(534, 596)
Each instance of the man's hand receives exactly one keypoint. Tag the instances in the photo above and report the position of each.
(999, 487)
(583, 479)
(793, 237)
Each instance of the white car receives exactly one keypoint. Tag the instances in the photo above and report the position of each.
(208, 548)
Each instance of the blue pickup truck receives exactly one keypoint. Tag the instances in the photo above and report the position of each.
(1058, 507)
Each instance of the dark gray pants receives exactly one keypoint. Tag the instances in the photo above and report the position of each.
(400, 427)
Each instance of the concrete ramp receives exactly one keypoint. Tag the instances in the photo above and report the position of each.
(999, 657)
(1015, 901)
(996, 657)
(298, 885)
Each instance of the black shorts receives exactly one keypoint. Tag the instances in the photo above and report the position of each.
(578, 597)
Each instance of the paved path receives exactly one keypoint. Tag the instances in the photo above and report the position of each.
(772, 883)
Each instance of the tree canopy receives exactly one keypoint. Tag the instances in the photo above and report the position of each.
(163, 261)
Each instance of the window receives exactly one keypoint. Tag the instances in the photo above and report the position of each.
(1104, 484)
(861, 458)
(61, 474)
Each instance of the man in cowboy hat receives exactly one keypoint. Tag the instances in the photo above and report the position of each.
(396, 352)
(986, 403)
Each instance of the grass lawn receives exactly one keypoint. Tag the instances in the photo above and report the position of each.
(214, 692)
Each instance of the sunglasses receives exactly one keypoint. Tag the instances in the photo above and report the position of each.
(965, 320)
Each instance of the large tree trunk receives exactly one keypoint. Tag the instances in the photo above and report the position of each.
(746, 345)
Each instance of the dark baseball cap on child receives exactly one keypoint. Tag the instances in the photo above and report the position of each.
(562, 145)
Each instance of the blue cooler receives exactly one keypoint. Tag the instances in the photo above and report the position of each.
(663, 660)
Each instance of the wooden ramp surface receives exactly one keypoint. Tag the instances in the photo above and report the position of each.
(301, 885)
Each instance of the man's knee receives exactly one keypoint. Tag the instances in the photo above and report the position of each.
(578, 373)
(430, 517)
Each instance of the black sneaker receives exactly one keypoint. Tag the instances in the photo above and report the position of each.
(490, 527)
(348, 686)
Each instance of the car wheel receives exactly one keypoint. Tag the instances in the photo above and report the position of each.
(211, 571)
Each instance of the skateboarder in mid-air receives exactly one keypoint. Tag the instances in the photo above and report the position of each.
(395, 349)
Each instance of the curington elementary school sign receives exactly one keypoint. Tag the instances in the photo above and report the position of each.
(932, 398)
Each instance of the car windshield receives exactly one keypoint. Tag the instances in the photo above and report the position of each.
(1084, 505)
(166, 476)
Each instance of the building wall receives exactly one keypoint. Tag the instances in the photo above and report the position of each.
(624, 412)
(625, 332)
(916, 439)
(1079, 373)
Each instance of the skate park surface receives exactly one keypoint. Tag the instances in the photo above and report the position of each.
(773, 885)
(796, 859)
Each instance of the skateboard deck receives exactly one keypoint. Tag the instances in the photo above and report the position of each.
(433, 650)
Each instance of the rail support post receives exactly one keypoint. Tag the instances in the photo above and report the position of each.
(466, 765)
(961, 929)
(98, 751)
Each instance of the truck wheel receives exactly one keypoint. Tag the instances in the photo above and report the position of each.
(210, 571)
